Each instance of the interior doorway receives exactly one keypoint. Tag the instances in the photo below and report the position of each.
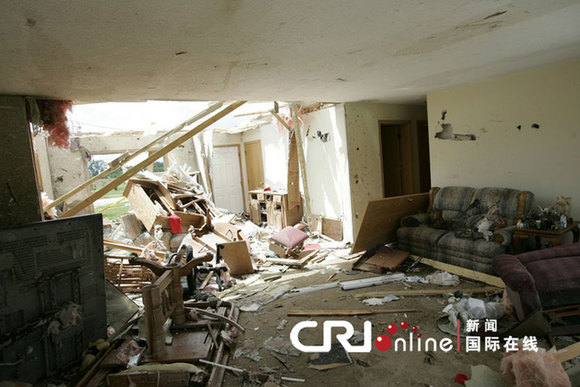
(227, 178)
(254, 164)
(405, 158)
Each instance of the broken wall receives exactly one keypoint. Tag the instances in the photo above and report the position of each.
(364, 149)
(526, 128)
(325, 143)
(67, 168)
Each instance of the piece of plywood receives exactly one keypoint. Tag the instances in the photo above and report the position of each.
(332, 228)
(463, 272)
(237, 257)
(388, 260)
(382, 218)
(347, 312)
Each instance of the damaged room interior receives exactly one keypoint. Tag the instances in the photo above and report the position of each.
(252, 193)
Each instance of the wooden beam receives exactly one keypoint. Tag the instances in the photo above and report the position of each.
(569, 353)
(130, 248)
(152, 158)
(114, 166)
(463, 272)
(281, 120)
(427, 292)
(347, 312)
(302, 161)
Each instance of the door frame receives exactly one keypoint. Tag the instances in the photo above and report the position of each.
(241, 170)
(409, 125)
(261, 157)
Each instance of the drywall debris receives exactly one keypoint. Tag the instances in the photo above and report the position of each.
(280, 345)
(337, 357)
(446, 132)
(282, 325)
(443, 278)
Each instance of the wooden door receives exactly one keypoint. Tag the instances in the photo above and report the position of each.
(254, 166)
(227, 178)
(397, 159)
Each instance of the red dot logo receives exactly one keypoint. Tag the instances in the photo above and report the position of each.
(392, 329)
(404, 325)
(418, 335)
(383, 342)
(414, 329)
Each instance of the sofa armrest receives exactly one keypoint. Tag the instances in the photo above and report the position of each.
(415, 220)
(513, 273)
(503, 236)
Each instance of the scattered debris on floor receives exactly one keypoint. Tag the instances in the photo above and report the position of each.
(337, 357)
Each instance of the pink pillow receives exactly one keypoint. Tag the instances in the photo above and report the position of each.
(290, 237)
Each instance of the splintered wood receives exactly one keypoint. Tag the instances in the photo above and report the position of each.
(301, 261)
(347, 312)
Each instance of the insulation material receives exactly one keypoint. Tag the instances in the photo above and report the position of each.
(53, 114)
(531, 369)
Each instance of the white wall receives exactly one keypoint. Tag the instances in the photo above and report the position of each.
(274, 155)
(327, 166)
(542, 160)
(40, 144)
(364, 148)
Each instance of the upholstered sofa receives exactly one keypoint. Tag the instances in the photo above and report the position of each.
(541, 279)
(449, 230)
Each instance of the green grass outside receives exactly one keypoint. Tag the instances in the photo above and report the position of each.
(115, 212)
(117, 192)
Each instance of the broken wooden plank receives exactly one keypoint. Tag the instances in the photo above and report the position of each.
(129, 157)
(382, 218)
(347, 312)
(281, 120)
(152, 158)
(131, 248)
(133, 226)
(302, 161)
(385, 260)
(294, 262)
(462, 272)
(426, 292)
(569, 353)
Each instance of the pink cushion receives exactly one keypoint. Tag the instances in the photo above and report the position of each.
(290, 237)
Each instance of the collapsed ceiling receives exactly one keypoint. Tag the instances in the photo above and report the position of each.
(391, 51)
